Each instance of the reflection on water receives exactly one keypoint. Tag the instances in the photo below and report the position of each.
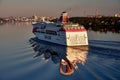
(17, 62)
(67, 57)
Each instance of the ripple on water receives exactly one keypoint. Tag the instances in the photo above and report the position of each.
(104, 62)
(106, 44)
(17, 62)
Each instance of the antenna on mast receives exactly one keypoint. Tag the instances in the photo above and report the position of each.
(96, 13)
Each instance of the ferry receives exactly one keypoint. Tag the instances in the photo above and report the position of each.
(62, 32)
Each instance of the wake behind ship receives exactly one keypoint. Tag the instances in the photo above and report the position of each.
(63, 32)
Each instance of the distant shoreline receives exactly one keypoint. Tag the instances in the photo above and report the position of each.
(91, 23)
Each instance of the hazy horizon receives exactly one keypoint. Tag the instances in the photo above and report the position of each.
(55, 7)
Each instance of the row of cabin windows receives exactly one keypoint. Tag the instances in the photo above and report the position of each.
(51, 32)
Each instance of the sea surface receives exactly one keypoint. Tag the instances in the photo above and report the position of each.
(24, 57)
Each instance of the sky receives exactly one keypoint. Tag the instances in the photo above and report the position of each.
(54, 8)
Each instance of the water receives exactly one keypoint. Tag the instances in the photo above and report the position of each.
(18, 47)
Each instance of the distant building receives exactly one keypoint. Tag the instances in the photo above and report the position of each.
(117, 15)
(35, 18)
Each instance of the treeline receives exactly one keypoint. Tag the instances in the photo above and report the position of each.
(2, 21)
(99, 23)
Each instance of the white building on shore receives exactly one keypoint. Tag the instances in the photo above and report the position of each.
(117, 15)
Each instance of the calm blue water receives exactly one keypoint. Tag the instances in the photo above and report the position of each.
(18, 47)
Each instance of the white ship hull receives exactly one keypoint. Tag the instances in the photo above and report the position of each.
(69, 38)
